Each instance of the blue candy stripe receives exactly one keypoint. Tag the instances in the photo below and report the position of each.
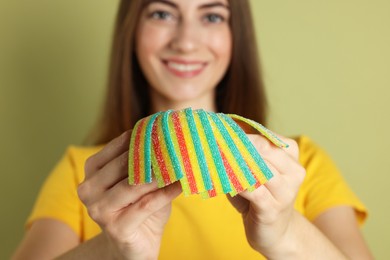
(148, 136)
(170, 147)
(198, 149)
(232, 146)
(261, 129)
(252, 150)
(223, 177)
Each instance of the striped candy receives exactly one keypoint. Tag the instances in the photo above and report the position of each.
(208, 152)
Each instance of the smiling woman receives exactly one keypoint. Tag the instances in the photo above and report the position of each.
(174, 54)
(240, 90)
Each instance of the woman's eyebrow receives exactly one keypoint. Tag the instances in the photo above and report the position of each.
(214, 4)
(172, 4)
(204, 6)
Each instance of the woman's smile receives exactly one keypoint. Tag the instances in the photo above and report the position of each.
(184, 68)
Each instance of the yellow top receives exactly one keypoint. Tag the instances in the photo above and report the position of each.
(197, 228)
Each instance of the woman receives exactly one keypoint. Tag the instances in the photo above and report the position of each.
(173, 54)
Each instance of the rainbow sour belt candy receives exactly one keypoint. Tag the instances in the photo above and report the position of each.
(208, 152)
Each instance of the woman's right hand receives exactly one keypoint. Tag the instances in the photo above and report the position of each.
(132, 218)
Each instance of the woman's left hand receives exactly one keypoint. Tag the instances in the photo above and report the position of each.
(268, 212)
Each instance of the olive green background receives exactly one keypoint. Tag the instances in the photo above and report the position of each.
(326, 65)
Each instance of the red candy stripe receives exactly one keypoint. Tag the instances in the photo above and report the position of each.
(159, 156)
(257, 183)
(230, 172)
(184, 153)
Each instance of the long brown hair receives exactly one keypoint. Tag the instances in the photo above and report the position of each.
(241, 91)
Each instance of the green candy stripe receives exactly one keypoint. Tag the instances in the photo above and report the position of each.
(209, 122)
(223, 177)
(248, 144)
(147, 154)
(198, 149)
(261, 129)
(171, 149)
(239, 159)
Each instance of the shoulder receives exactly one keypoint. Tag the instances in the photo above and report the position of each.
(73, 161)
(324, 186)
(315, 160)
(83, 151)
(79, 154)
(310, 152)
(306, 144)
(58, 197)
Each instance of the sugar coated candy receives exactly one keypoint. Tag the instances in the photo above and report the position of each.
(209, 153)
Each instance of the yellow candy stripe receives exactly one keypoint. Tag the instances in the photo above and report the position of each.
(209, 157)
(252, 150)
(191, 152)
(165, 153)
(184, 182)
(134, 154)
(255, 169)
(231, 158)
(223, 161)
(261, 129)
(158, 164)
(156, 170)
(142, 158)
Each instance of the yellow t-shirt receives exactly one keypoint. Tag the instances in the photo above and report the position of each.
(197, 228)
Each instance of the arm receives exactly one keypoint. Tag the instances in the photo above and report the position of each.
(276, 230)
(46, 239)
(49, 238)
(339, 225)
(132, 218)
(333, 235)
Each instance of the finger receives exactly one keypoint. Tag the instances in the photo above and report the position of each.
(278, 157)
(123, 195)
(260, 199)
(113, 201)
(292, 149)
(282, 187)
(107, 177)
(275, 185)
(112, 150)
(148, 205)
(280, 160)
(278, 188)
(286, 169)
(239, 203)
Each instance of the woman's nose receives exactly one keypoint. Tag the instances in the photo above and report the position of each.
(186, 37)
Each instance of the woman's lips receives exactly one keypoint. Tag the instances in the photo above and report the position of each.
(184, 69)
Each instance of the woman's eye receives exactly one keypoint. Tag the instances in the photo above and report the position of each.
(161, 15)
(214, 18)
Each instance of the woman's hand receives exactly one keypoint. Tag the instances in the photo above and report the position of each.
(268, 212)
(132, 217)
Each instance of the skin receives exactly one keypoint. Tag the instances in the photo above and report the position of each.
(132, 218)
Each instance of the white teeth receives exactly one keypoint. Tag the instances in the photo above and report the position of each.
(184, 67)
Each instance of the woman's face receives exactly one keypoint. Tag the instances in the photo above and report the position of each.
(184, 48)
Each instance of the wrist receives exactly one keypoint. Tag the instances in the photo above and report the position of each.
(120, 250)
(287, 246)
